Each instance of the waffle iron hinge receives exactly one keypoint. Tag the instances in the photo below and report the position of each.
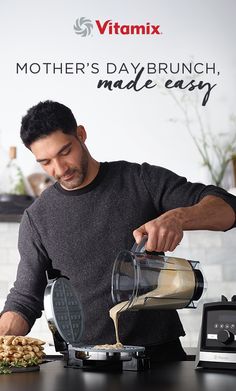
(59, 343)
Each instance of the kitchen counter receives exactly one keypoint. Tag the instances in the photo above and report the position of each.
(12, 207)
(175, 376)
(10, 218)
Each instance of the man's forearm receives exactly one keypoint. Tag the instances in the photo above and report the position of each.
(211, 213)
(11, 323)
(166, 231)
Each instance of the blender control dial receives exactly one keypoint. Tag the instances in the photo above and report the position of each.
(225, 337)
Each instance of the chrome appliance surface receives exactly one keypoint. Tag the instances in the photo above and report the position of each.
(63, 311)
(96, 353)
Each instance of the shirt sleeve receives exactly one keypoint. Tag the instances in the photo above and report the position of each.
(26, 296)
(169, 190)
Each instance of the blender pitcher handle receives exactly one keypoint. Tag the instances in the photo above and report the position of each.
(140, 248)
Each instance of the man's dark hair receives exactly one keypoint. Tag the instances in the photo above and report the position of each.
(44, 119)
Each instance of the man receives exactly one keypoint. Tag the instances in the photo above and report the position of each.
(93, 211)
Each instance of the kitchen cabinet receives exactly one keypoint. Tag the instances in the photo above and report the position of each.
(12, 207)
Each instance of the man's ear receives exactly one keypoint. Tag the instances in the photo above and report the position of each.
(81, 133)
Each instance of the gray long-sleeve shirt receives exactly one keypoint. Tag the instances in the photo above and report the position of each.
(80, 232)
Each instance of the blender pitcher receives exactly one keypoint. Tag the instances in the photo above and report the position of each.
(149, 280)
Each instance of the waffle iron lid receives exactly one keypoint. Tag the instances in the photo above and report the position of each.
(66, 310)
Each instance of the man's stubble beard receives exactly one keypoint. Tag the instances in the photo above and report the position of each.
(79, 174)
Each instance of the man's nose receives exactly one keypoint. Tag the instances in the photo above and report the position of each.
(59, 168)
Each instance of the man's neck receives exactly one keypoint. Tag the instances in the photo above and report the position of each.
(93, 171)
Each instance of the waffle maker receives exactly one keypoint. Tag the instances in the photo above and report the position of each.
(217, 340)
(65, 320)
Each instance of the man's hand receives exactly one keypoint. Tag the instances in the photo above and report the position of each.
(166, 231)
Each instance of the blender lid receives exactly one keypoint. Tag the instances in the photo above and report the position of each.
(63, 310)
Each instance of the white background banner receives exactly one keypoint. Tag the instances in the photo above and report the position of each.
(114, 75)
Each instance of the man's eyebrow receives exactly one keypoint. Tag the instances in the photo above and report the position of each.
(58, 153)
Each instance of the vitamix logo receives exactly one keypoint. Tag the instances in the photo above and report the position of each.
(84, 26)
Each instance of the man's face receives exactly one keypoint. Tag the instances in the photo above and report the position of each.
(64, 157)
